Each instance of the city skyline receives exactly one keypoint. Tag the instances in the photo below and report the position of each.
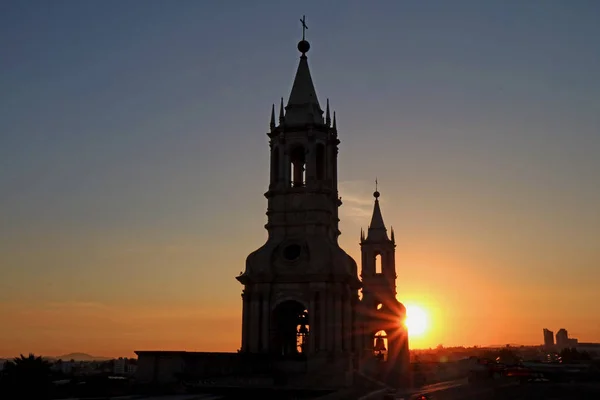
(136, 159)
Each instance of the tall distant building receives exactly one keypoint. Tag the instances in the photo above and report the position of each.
(562, 338)
(563, 341)
(548, 338)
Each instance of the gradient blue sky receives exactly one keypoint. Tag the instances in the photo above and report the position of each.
(133, 161)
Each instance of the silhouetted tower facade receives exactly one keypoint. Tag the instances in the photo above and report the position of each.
(300, 288)
(382, 315)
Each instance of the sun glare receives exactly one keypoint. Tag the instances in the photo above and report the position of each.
(416, 320)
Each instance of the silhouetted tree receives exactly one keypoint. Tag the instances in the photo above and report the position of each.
(489, 355)
(573, 355)
(507, 356)
(27, 377)
(566, 355)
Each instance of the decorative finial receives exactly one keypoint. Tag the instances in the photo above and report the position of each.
(272, 124)
(376, 194)
(303, 45)
(327, 115)
(281, 112)
(334, 126)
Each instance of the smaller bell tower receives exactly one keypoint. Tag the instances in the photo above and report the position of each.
(378, 260)
(384, 335)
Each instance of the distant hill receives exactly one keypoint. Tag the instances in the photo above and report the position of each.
(81, 357)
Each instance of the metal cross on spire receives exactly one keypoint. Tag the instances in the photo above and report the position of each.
(375, 184)
(304, 27)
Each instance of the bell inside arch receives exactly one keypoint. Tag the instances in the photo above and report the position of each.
(379, 344)
(303, 329)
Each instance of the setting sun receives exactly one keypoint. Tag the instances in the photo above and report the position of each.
(416, 320)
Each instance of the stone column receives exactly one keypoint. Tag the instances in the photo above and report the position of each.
(254, 333)
(245, 319)
(287, 170)
(404, 360)
(337, 304)
(330, 321)
(272, 165)
(311, 161)
(348, 327)
(331, 160)
(266, 318)
(281, 165)
(358, 325)
(334, 165)
(393, 349)
(312, 316)
(323, 319)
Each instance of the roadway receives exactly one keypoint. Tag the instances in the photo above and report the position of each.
(507, 390)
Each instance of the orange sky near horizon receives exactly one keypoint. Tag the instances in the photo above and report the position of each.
(465, 306)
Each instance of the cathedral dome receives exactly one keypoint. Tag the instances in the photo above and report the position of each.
(317, 257)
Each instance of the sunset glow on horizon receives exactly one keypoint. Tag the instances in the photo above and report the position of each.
(417, 321)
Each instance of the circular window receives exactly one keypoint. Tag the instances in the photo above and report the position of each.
(292, 252)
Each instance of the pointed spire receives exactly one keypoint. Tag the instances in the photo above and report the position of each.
(393, 238)
(334, 123)
(377, 230)
(362, 235)
(303, 105)
(376, 219)
(272, 124)
(281, 113)
(327, 115)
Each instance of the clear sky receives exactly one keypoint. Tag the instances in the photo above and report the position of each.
(133, 162)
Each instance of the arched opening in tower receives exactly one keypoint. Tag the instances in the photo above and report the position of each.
(291, 329)
(380, 346)
(298, 166)
(378, 268)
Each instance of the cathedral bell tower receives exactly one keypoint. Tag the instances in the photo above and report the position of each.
(382, 316)
(300, 288)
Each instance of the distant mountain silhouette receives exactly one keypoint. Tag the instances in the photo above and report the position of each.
(81, 357)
